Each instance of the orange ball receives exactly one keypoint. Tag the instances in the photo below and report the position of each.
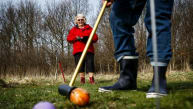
(79, 97)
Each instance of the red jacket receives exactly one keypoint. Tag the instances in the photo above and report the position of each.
(78, 46)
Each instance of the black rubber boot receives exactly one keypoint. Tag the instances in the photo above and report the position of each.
(162, 84)
(128, 76)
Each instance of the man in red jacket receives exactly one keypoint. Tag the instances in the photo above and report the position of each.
(78, 36)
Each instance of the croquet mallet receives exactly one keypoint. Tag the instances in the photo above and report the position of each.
(65, 89)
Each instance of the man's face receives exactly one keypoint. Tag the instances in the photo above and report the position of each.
(80, 21)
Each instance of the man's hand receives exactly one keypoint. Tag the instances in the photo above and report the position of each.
(109, 3)
(82, 39)
(85, 38)
(78, 38)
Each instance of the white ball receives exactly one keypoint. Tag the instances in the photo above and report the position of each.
(44, 105)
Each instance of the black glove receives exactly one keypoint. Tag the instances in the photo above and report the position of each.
(85, 38)
(78, 38)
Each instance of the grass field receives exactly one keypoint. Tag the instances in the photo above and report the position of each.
(24, 93)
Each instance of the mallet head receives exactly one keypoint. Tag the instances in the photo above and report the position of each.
(65, 90)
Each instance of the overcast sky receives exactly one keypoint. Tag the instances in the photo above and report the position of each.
(93, 3)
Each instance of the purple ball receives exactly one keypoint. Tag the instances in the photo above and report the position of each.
(44, 105)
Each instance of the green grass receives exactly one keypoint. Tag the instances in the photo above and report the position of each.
(26, 92)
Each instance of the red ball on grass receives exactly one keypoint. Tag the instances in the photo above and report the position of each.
(79, 97)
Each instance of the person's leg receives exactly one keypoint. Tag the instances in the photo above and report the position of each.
(163, 12)
(124, 15)
(161, 71)
(91, 78)
(82, 68)
(82, 77)
(90, 67)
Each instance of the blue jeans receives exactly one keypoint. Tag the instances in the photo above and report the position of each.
(123, 17)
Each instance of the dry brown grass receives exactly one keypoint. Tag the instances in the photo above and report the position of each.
(145, 75)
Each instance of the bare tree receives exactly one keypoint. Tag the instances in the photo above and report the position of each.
(31, 38)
